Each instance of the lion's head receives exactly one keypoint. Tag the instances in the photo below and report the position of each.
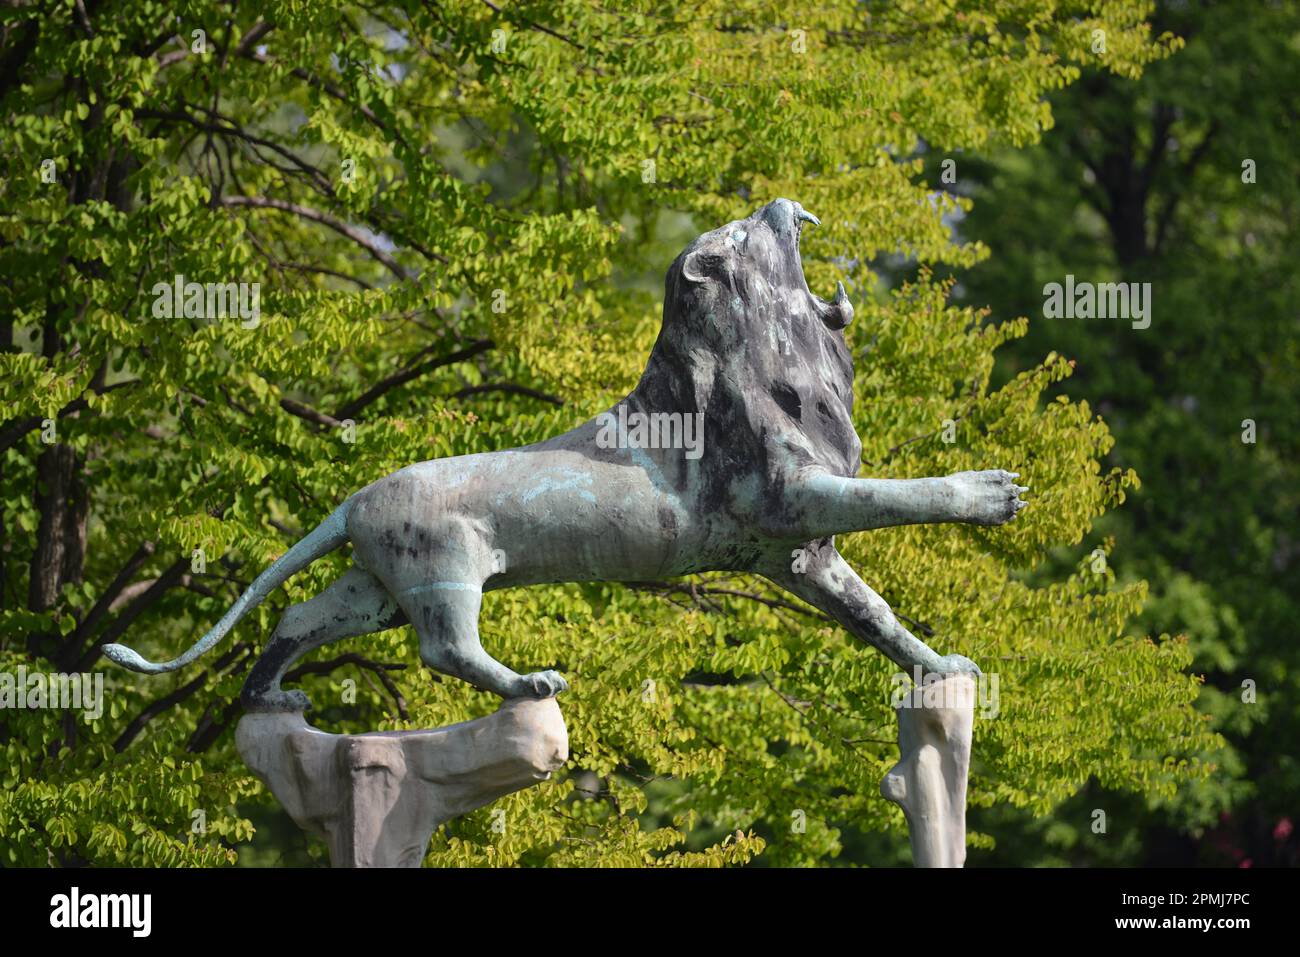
(748, 344)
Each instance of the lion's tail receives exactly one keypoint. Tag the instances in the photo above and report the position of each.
(326, 537)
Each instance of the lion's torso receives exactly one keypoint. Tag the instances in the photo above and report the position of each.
(743, 355)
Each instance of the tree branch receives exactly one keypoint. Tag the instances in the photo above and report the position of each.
(147, 600)
(233, 129)
(72, 647)
(508, 387)
(141, 721)
(350, 409)
(329, 88)
(14, 431)
(316, 216)
(308, 413)
(380, 669)
(540, 28)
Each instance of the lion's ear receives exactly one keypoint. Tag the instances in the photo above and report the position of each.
(700, 263)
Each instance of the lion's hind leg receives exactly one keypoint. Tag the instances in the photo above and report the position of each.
(444, 614)
(434, 565)
(356, 604)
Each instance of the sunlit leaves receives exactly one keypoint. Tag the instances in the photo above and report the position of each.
(443, 175)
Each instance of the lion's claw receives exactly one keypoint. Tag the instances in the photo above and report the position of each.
(542, 684)
(990, 497)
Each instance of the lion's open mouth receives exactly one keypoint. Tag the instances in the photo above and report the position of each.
(838, 312)
(802, 216)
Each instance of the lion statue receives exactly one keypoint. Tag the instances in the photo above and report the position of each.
(736, 451)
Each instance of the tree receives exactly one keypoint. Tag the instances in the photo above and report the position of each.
(1186, 179)
(455, 214)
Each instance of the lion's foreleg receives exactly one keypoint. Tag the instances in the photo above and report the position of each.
(821, 577)
(821, 504)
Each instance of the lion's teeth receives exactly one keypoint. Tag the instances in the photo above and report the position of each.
(837, 313)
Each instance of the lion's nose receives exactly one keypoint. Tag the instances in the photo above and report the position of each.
(783, 214)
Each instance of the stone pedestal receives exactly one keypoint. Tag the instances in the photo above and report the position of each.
(929, 781)
(377, 798)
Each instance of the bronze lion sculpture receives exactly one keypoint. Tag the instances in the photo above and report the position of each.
(736, 451)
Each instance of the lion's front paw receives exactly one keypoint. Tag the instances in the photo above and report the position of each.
(956, 664)
(990, 497)
(542, 684)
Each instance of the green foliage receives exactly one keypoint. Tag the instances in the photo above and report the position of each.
(458, 216)
(1147, 182)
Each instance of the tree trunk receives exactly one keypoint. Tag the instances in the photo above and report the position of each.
(61, 538)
